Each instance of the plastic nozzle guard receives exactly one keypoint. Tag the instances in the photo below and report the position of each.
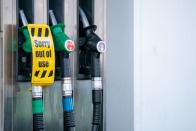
(61, 40)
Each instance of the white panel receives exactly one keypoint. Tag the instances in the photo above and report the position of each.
(165, 65)
(119, 65)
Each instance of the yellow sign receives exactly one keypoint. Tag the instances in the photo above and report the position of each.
(43, 55)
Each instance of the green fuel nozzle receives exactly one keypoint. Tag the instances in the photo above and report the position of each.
(61, 40)
(27, 44)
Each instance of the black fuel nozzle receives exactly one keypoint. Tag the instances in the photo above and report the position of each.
(93, 44)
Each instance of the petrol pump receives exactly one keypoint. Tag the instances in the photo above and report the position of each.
(47, 58)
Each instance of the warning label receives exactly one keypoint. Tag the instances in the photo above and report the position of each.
(43, 55)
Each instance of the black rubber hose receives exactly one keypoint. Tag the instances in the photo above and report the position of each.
(95, 128)
(95, 62)
(97, 97)
(70, 129)
(69, 122)
(65, 64)
(38, 122)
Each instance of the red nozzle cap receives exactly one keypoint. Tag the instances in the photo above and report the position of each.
(70, 45)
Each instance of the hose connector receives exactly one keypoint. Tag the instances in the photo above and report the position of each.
(97, 83)
(37, 92)
(67, 86)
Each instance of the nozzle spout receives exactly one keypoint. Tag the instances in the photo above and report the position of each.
(52, 17)
(23, 18)
(84, 19)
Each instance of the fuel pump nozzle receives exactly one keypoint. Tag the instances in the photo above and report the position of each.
(93, 41)
(64, 45)
(95, 46)
(37, 91)
(62, 41)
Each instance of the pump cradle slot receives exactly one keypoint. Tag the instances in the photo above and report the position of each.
(43, 55)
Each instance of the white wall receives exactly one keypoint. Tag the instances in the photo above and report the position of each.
(165, 65)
